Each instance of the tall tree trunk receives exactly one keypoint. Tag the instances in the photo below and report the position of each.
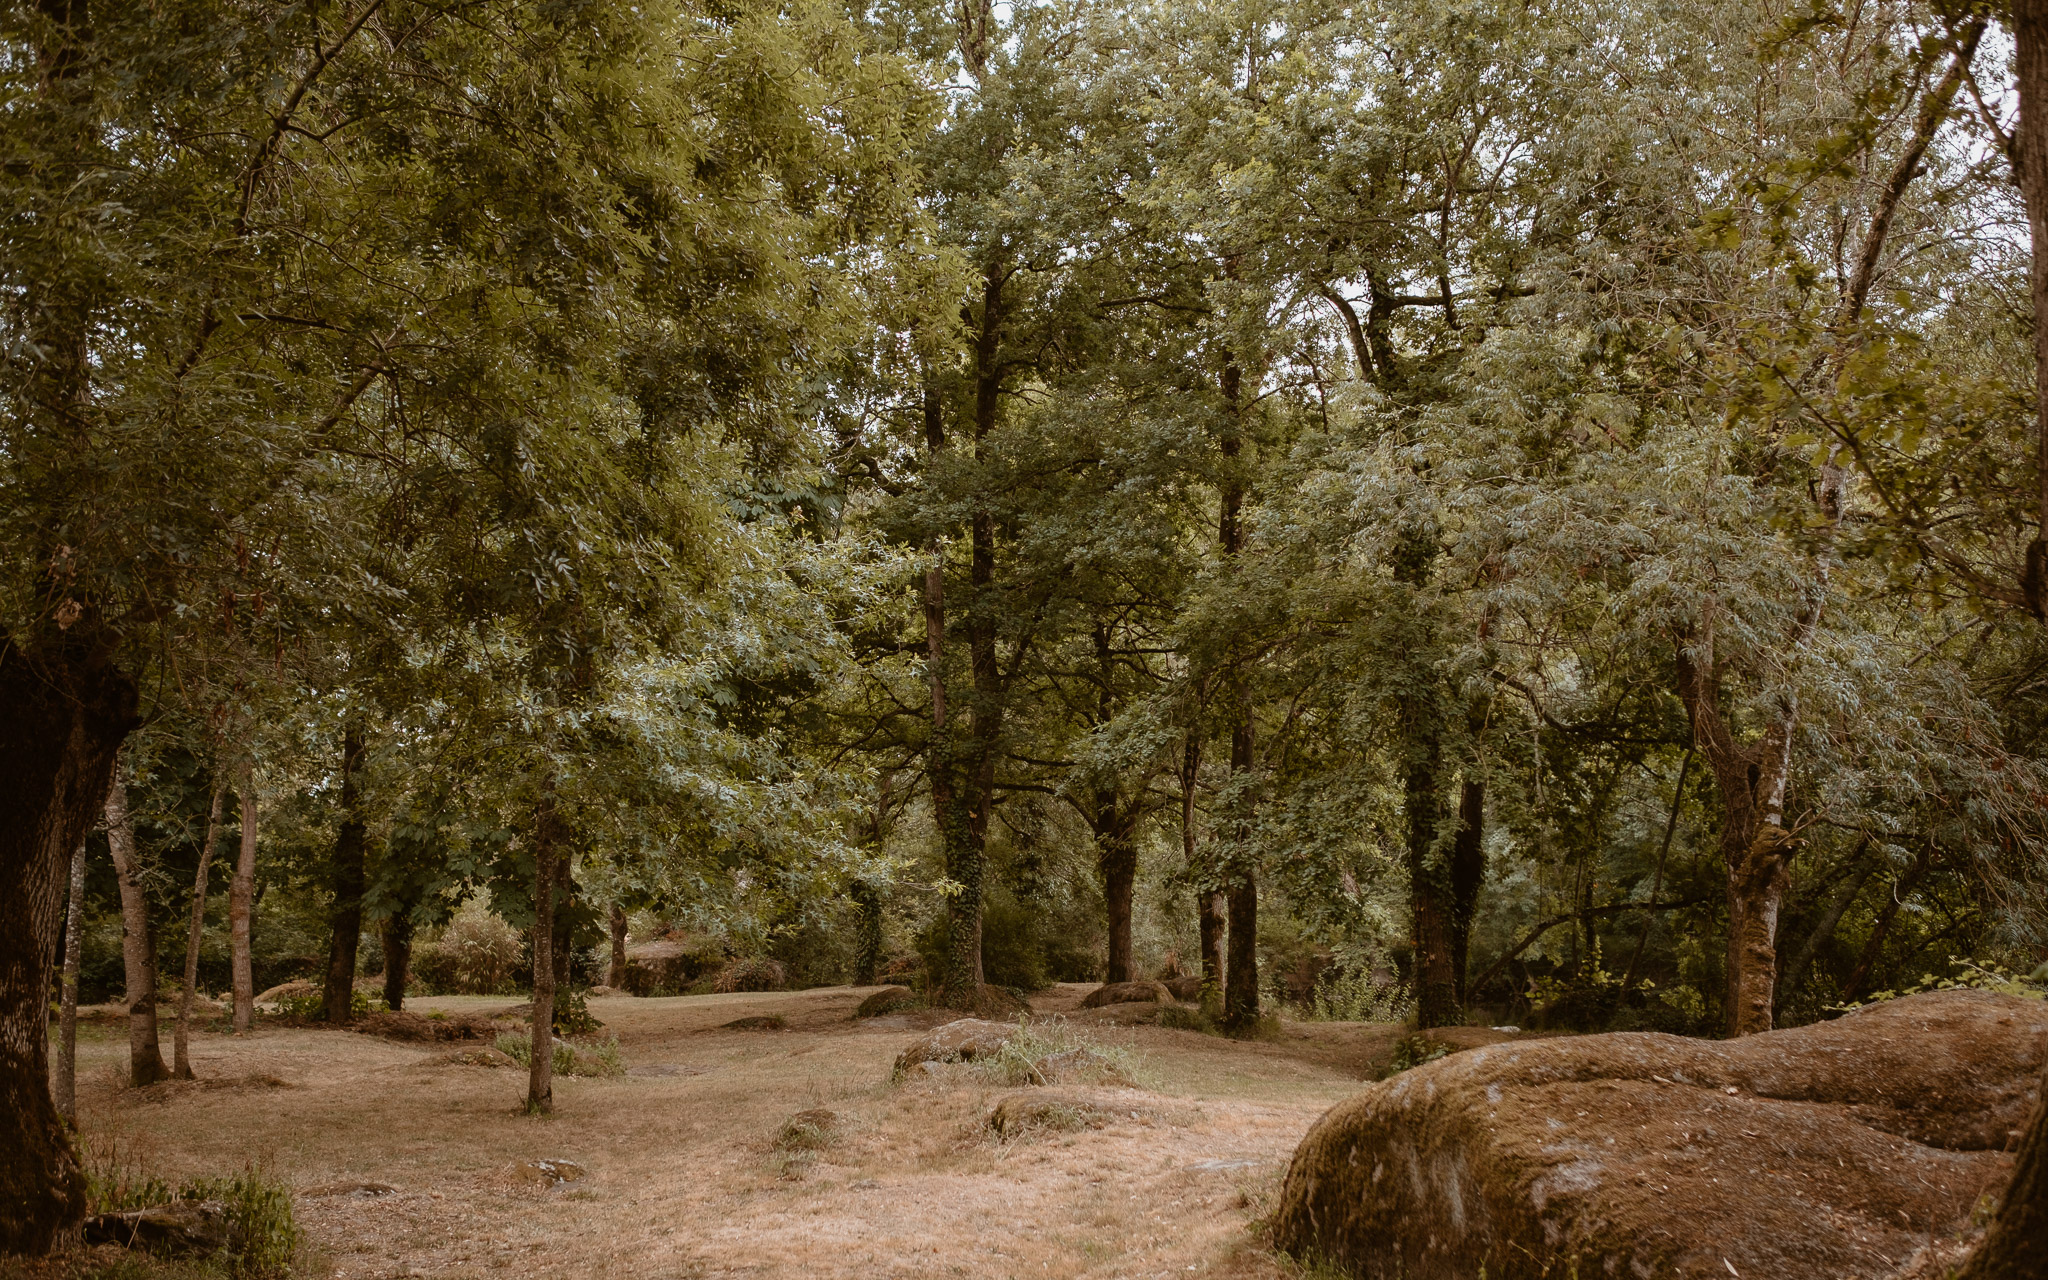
(1209, 903)
(349, 879)
(138, 941)
(1468, 875)
(66, 1088)
(1756, 850)
(180, 1054)
(2016, 1245)
(64, 711)
(2030, 159)
(242, 906)
(1429, 895)
(1241, 972)
(1241, 886)
(540, 1075)
(395, 935)
(616, 975)
(1116, 852)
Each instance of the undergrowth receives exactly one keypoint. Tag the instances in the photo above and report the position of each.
(1042, 1051)
(597, 1058)
(263, 1234)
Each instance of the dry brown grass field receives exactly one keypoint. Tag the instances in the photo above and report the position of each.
(685, 1175)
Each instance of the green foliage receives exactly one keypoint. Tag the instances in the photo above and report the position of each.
(593, 1058)
(312, 1005)
(1412, 1051)
(1045, 1050)
(1351, 994)
(263, 1235)
(1965, 974)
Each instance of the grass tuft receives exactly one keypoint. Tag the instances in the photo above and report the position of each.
(1053, 1049)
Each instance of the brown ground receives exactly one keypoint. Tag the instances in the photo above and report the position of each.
(685, 1179)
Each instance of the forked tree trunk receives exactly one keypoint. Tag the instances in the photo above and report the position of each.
(241, 904)
(62, 719)
(540, 1074)
(1756, 850)
(2016, 1245)
(180, 1054)
(138, 941)
(65, 1088)
(349, 878)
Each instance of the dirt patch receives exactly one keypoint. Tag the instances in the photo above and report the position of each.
(1127, 993)
(414, 1028)
(1836, 1150)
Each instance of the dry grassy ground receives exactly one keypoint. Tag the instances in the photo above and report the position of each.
(685, 1178)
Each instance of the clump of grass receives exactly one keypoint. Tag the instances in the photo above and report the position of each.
(1413, 1051)
(1041, 1052)
(1177, 1017)
(595, 1058)
(1351, 995)
(263, 1234)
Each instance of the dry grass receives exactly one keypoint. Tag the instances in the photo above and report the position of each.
(688, 1155)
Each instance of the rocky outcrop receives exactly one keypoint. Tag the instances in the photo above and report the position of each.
(1128, 993)
(1839, 1150)
(963, 1041)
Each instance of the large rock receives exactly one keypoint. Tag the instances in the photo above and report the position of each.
(1833, 1150)
(963, 1041)
(1128, 993)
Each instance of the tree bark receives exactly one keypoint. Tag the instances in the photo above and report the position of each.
(1430, 901)
(395, 934)
(350, 876)
(1468, 875)
(540, 1075)
(2015, 1247)
(138, 942)
(1209, 903)
(181, 1059)
(1116, 851)
(617, 973)
(242, 905)
(65, 1090)
(1241, 972)
(1756, 850)
(2030, 160)
(64, 711)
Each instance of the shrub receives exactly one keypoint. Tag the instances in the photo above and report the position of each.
(1353, 995)
(310, 1006)
(756, 974)
(1413, 1051)
(263, 1234)
(477, 954)
(596, 1058)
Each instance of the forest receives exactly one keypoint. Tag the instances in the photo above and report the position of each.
(1466, 516)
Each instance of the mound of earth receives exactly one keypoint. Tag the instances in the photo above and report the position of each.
(1835, 1150)
(888, 1000)
(758, 1022)
(417, 1028)
(1185, 987)
(1128, 993)
(961, 1041)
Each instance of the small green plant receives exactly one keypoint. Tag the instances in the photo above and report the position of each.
(1413, 1051)
(263, 1234)
(312, 1006)
(1352, 995)
(1966, 974)
(1042, 1051)
(572, 1014)
(595, 1058)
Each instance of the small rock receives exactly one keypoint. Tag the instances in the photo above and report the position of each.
(961, 1041)
(552, 1173)
(181, 1229)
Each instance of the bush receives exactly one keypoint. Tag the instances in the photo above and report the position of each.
(311, 1006)
(263, 1234)
(476, 954)
(757, 974)
(597, 1058)
(1352, 995)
